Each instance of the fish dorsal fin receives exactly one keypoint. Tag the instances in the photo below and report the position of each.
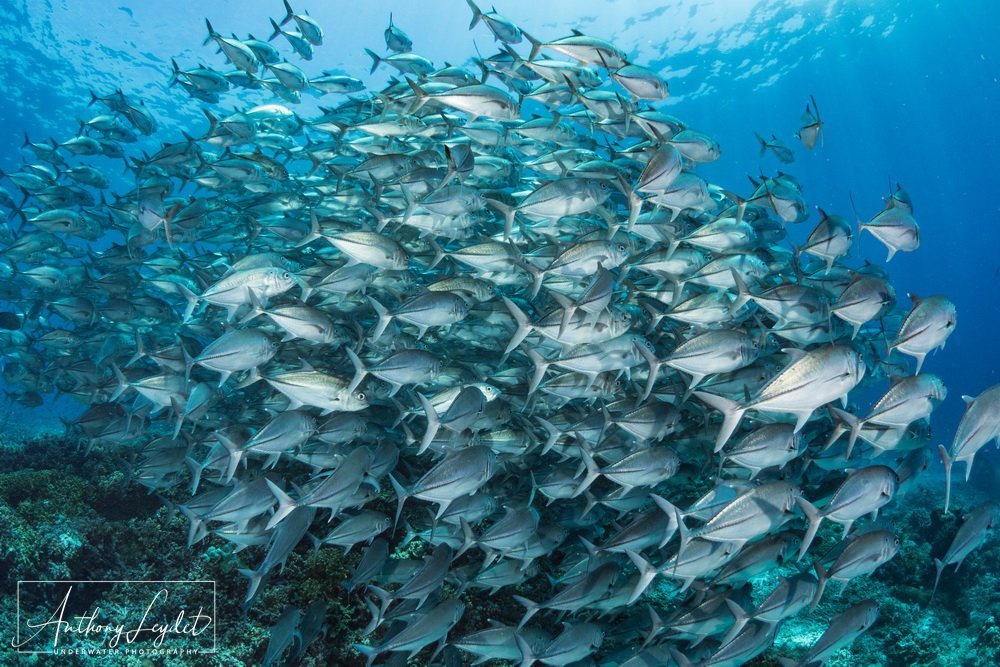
(794, 353)
(914, 298)
(968, 399)
(577, 33)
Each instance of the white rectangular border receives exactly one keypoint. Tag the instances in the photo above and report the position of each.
(215, 598)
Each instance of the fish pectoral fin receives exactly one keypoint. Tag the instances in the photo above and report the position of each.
(801, 417)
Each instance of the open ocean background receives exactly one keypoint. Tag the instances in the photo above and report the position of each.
(908, 90)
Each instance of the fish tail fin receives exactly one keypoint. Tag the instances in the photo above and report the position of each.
(857, 218)
(508, 213)
(285, 504)
(695, 380)
(537, 276)
(122, 382)
(732, 415)
(252, 377)
(536, 45)
(684, 534)
(289, 13)
(401, 497)
(275, 30)
(823, 579)
(385, 599)
(946, 462)
(195, 469)
(439, 253)
(376, 60)
(370, 652)
(523, 326)
(255, 577)
(552, 434)
(67, 425)
(647, 573)
(939, 567)
(174, 74)
(360, 371)
(654, 368)
(671, 510)
(178, 409)
(477, 14)
(591, 503)
(211, 35)
(742, 292)
(192, 302)
(235, 454)
(213, 122)
(530, 609)
(656, 626)
(763, 149)
(569, 310)
(140, 351)
(433, 423)
(853, 424)
(741, 616)
(815, 518)
(593, 472)
(635, 202)
(255, 308)
(468, 537)
(527, 655)
(384, 318)
(196, 532)
(376, 619)
(541, 366)
(421, 96)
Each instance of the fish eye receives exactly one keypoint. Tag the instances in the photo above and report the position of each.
(361, 396)
(285, 275)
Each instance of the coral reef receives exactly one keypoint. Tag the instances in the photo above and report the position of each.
(64, 515)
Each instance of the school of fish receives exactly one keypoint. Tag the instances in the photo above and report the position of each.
(494, 311)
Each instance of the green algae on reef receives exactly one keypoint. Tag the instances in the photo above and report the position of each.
(67, 516)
